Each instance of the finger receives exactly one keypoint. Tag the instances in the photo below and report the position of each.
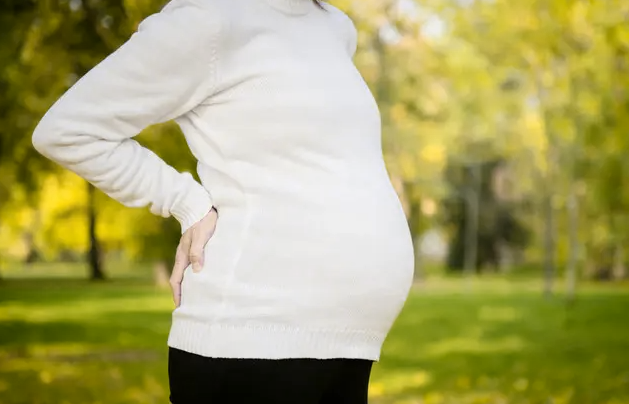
(176, 291)
(197, 246)
(181, 262)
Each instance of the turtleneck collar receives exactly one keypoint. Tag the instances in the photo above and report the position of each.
(295, 7)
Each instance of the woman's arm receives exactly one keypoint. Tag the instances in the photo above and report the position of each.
(163, 71)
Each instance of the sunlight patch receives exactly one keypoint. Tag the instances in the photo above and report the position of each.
(472, 345)
(396, 383)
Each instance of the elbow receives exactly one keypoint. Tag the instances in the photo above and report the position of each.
(48, 138)
(64, 141)
(43, 138)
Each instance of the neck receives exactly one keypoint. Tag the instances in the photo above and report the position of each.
(295, 7)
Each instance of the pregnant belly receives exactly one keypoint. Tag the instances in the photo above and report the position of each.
(354, 264)
(281, 259)
(361, 241)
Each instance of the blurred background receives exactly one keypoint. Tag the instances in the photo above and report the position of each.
(505, 131)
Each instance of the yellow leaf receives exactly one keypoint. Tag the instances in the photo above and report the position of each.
(433, 153)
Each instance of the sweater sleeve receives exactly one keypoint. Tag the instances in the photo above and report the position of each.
(163, 71)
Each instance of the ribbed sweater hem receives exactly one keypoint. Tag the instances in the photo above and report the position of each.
(218, 340)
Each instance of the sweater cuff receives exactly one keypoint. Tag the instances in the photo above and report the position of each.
(192, 207)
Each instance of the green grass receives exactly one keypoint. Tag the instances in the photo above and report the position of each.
(71, 342)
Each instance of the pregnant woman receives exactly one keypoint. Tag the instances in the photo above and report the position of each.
(296, 257)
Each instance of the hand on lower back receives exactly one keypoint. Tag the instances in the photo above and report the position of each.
(191, 251)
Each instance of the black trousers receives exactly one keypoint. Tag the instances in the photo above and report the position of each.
(196, 379)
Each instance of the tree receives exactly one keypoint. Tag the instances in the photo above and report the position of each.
(62, 41)
(494, 221)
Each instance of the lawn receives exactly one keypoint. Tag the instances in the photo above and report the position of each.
(72, 342)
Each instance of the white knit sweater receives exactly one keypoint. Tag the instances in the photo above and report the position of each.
(312, 255)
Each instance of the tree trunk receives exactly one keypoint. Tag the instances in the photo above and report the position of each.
(547, 183)
(94, 253)
(573, 257)
(549, 245)
(619, 270)
(472, 203)
(414, 219)
(32, 254)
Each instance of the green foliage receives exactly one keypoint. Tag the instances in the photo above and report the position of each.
(543, 86)
(52, 44)
(75, 343)
(499, 226)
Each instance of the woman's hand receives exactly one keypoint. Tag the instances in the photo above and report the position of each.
(191, 251)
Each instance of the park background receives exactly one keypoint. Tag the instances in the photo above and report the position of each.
(505, 132)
